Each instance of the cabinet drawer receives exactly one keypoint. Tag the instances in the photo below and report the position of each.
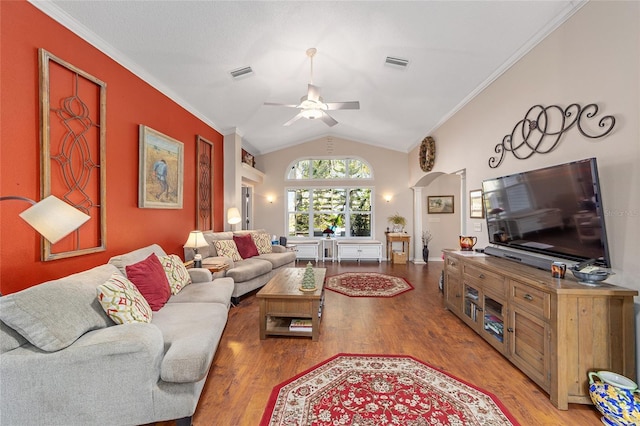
(535, 301)
(485, 278)
(452, 265)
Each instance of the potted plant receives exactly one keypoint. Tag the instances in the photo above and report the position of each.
(426, 237)
(397, 221)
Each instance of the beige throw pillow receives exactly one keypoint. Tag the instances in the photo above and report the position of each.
(263, 242)
(122, 301)
(177, 273)
(227, 248)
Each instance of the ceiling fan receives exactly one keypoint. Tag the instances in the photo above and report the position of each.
(312, 105)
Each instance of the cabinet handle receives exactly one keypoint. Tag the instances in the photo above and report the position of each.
(458, 295)
(528, 297)
(481, 276)
(480, 309)
(510, 329)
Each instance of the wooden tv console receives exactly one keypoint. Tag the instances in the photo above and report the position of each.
(554, 330)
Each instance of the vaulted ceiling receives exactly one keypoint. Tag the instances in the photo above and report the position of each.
(187, 49)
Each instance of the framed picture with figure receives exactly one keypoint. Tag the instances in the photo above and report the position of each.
(161, 170)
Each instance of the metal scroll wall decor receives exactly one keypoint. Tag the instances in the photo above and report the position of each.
(540, 130)
(204, 171)
(73, 137)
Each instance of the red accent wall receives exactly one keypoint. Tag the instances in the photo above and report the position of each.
(130, 102)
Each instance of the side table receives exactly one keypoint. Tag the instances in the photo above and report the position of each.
(328, 249)
(398, 237)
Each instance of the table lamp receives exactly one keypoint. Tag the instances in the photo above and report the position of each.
(195, 241)
(233, 216)
(51, 217)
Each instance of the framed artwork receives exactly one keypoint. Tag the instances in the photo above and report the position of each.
(161, 170)
(476, 210)
(73, 119)
(440, 204)
(204, 185)
(248, 158)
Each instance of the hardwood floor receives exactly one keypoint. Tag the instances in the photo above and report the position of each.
(245, 368)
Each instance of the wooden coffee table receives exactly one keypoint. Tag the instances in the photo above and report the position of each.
(281, 300)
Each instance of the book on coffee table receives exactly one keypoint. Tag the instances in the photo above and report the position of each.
(300, 324)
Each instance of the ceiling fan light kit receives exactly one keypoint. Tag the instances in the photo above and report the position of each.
(312, 105)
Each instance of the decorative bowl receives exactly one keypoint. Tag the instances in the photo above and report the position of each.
(616, 397)
(591, 277)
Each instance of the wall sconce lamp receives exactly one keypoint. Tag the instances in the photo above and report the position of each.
(233, 216)
(195, 241)
(270, 199)
(387, 198)
(51, 217)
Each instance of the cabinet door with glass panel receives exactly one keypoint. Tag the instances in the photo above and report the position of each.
(493, 321)
(485, 313)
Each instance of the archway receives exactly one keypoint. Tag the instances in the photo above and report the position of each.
(444, 228)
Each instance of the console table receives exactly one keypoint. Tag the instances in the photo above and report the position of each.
(554, 330)
(398, 237)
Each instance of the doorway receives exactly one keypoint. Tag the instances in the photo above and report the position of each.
(247, 207)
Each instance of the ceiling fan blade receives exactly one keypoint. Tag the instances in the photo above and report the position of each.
(343, 105)
(294, 119)
(328, 120)
(313, 93)
(281, 105)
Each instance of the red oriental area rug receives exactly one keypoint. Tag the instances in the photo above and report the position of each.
(367, 284)
(376, 390)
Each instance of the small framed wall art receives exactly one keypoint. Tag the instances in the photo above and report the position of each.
(437, 204)
(161, 170)
(476, 208)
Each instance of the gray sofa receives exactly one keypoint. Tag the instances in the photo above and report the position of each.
(248, 274)
(107, 374)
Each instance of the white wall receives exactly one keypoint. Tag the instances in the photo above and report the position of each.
(444, 227)
(390, 177)
(592, 58)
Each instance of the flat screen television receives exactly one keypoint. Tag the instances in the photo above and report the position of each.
(549, 214)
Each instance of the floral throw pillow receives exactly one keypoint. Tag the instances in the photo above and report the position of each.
(263, 242)
(177, 273)
(122, 301)
(227, 248)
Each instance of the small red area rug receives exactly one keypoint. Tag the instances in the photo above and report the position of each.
(377, 390)
(367, 284)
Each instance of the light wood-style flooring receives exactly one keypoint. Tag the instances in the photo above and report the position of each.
(245, 368)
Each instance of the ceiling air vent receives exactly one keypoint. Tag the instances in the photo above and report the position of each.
(241, 72)
(396, 62)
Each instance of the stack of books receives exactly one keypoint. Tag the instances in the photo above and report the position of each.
(300, 324)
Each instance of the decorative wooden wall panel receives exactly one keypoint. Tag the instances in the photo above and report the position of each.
(73, 137)
(204, 179)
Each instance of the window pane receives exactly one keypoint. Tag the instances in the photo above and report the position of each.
(298, 225)
(298, 200)
(358, 170)
(322, 221)
(328, 169)
(360, 225)
(300, 170)
(329, 199)
(360, 200)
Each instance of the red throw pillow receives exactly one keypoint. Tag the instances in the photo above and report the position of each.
(151, 280)
(246, 247)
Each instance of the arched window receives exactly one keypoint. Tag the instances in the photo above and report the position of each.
(314, 208)
(329, 168)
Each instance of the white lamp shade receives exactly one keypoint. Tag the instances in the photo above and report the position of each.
(53, 218)
(233, 216)
(195, 240)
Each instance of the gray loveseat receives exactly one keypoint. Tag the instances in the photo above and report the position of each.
(248, 274)
(106, 374)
